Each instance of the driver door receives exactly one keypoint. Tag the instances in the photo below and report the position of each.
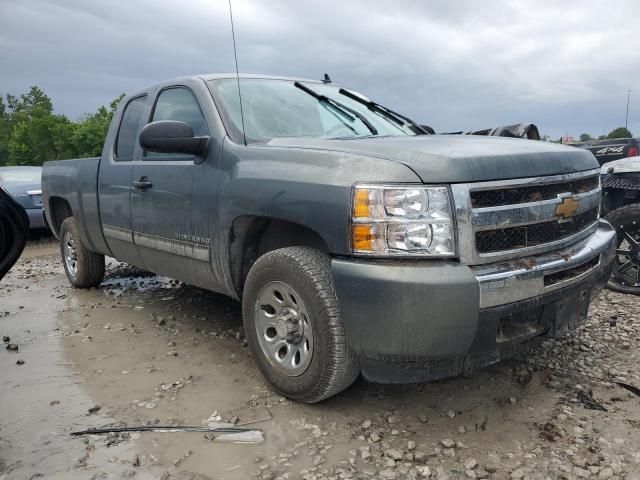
(170, 219)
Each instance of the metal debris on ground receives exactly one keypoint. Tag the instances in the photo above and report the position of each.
(219, 433)
(587, 401)
(630, 388)
(247, 416)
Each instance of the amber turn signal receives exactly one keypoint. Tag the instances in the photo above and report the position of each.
(363, 237)
(361, 203)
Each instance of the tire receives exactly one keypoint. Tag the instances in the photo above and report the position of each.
(301, 276)
(84, 268)
(625, 277)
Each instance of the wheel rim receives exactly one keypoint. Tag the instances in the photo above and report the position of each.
(627, 260)
(283, 329)
(69, 253)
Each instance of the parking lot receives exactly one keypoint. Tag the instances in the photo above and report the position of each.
(146, 350)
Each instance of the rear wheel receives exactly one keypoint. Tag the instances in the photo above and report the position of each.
(83, 267)
(625, 276)
(293, 325)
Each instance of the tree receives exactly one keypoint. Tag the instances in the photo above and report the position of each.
(31, 134)
(91, 132)
(36, 140)
(585, 137)
(5, 133)
(620, 132)
(33, 104)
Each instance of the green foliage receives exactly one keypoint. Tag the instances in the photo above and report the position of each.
(5, 133)
(31, 134)
(585, 137)
(36, 140)
(620, 132)
(90, 133)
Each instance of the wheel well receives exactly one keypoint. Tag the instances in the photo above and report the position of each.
(59, 210)
(251, 237)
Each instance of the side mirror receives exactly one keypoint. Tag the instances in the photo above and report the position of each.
(168, 136)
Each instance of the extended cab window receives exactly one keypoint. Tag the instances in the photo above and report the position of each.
(129, 128)
(179, 104)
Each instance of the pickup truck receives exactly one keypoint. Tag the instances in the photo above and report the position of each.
(357, 243)
(621, 208)
(611, 149)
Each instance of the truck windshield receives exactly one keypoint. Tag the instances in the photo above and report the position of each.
(275, 108)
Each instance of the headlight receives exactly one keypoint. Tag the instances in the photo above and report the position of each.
(392, 220)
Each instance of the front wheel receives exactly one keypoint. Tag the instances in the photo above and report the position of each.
(625, 276)
(293, 325)
(83, 267)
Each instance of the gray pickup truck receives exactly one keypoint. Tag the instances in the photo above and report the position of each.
(357, 242)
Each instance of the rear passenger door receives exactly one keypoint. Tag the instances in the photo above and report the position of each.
(114, 182)
(170, 219)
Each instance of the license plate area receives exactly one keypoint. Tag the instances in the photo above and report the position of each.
(569, 312)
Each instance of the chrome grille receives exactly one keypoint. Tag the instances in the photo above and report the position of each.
(627, 182)
(532, 235)
(534, 193)
(513, 218)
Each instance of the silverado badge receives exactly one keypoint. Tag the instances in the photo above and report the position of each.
(566, 208)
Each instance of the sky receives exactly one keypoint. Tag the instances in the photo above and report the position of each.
(454, 65)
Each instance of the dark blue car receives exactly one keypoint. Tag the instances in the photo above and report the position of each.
(23, 184)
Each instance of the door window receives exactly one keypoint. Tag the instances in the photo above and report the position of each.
(180, 105)
(129, 128)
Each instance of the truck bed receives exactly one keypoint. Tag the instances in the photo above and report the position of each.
(74, 182)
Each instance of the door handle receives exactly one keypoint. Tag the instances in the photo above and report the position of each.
(143, 183)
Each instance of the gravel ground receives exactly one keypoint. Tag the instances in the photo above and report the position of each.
(146, 350)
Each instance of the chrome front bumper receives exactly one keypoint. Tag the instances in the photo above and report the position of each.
(505, 282)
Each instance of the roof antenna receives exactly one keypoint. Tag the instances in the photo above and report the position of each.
(235, 54)
(326, 78)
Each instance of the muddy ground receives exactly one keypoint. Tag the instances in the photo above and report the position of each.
(146, 350)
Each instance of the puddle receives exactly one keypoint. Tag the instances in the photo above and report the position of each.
(153, 351)
(42, 400)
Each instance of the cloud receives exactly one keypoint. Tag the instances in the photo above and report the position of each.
(451, 64)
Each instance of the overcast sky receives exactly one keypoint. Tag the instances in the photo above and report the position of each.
(565, 66)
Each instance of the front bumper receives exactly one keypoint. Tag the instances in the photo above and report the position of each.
(412, 321)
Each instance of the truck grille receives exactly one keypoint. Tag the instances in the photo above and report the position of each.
(627, 182)
(532, 235)
(535, 193)
(502, 220)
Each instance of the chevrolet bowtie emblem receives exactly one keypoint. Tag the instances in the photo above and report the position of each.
(566, 208)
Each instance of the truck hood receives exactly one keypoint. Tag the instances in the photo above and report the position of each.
(458, 158)
(624, 165)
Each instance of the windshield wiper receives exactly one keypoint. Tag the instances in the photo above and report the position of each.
(395, 117)
(339, 115)
(342, 108)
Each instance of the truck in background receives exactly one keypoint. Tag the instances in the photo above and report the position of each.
(611, 149)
